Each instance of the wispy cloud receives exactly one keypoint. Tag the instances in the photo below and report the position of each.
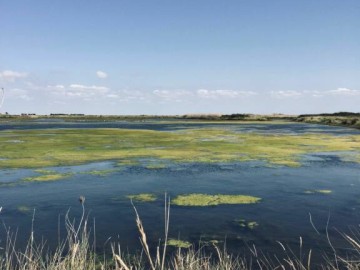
(344, 92)
(339, 92)
(101, 74)
(286, 94)
(17, 93)
(78, 90)
(213, 94)
(11, 76)
(173, 95)
(59, 86)
(82, 87)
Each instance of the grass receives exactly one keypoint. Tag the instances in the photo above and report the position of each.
(211, 200)
(59, 147)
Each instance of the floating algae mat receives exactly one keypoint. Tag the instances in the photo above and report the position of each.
(145, 197)
(319, 191)
(205, 145)
(48, 177)
(211, 200)
(246, 224)
(179, 243)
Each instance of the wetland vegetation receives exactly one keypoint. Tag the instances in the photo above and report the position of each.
(59, 147)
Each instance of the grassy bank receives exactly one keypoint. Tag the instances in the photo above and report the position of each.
(196, 117)
(56, 147)
(337, 119)
(346, 119)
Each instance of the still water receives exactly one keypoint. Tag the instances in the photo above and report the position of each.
(283, 214)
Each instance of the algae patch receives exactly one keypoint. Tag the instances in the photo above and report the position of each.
(24, 209)
(47, 177)
(143, 197)
(318, 191)
(155, 166)
(178, 243)
(212, 200)
(43, 171)
(246, 224)
(101, 172)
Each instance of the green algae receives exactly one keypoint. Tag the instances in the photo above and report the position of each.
(246, 224)
(155, 166)
(100, 172)
(252, 224)
(24, 209)
(43, 171)
(47, 177)
(179, 243)
(128, 162)
(143, 197)
(319, 191)
(41, 149)
(212, 200)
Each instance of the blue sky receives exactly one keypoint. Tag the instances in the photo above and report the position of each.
(177, 57)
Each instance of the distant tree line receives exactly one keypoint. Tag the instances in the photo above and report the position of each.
(331, 114)
(235, 116)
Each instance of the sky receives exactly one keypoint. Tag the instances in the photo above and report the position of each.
(178, 57)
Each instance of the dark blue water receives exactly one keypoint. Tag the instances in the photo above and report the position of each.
(173, 125)
(283, 214)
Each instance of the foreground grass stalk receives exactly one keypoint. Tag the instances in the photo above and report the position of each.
(166, 233)
(143, 239)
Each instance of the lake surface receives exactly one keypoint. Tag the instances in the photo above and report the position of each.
(283, 214)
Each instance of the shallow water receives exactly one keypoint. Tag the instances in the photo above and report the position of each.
(282, 215)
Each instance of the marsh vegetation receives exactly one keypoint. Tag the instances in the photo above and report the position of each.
(59, 147)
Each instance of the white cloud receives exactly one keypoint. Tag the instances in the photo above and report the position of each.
(175, 95)
(79, 90)
(82, 87)
(59, 86)
(112, 96)
(286, 94)
(11, 76)
(101, 74)
(213, 94)
(344, 92)
(17, 93)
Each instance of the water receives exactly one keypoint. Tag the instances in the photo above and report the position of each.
(283, 214)
(174, 125)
